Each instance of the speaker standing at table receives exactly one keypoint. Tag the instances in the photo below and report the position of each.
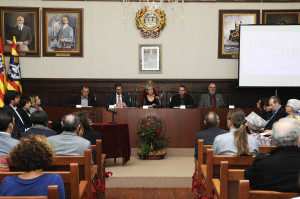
(212, 99)
(119, 98)
(182, 98)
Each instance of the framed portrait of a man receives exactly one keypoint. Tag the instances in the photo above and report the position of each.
(229, 30)
(281, 17)
(24, 24)
(62, 32)
(150, 59)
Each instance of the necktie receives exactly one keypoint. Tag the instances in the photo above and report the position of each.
(119, 98)
(213, 103)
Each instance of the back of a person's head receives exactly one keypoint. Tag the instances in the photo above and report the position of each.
(237, 117)
(286, 132)
(264, 102)
(6, 117)
(32, 153)
(10, 95)
(254, 122)
(33, 100)
(39, 117)
(70, 122)
(295, 104)
(84, 120)
(23, 101)
(211, 119)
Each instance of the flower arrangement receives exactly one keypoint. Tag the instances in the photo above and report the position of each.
(153, 141)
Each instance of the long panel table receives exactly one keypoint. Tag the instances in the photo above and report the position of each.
(181, 125)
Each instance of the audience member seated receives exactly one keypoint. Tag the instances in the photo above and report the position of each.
(278, 112)
(254, 124)
(212, 122)
(68, 142)
(32, 155)
(265, 111)
(279, 169)
(7, 143)
(35, 103)
(3, 164)
(212, 99)
(292, 107)
(119, 98)
(182, 98)
(84, 98)
(151, 99)
(23, 110)
(39, 120)
(237, 141)
(86, 130)
(11, 100)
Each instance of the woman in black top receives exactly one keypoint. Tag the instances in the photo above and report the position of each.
(151, 99)
(86, 130)
(23, 110)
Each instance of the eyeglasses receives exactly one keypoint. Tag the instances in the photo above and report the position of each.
(228, 118)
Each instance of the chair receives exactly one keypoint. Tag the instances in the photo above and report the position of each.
(140, 92)
(212, 168)
(73, 188)
(52, 194)
(246, 193)
(227, 185)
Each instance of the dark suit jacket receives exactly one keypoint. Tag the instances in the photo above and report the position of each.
(208, 136)
(280, 114)
(22, 35)
(277, 170)
(91, 100)
(19, 126)
(206, 102)
(112, 99)
(25, 117)
(91, 135)
(188, 100)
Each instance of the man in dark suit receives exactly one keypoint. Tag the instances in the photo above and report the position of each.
(212, 122)
(22, 33)
(119, 98)
(7, 143)
(182, 98)
(278, 112)
(279, 169)
(84, 98)
(212, 99)
(11, 100)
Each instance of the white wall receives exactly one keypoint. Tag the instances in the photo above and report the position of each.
(189, 46)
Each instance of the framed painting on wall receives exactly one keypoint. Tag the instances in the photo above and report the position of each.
(281, 17)
(229, 35)
(62, 32)
(150, 59)
(24, 24)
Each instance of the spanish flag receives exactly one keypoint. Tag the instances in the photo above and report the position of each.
(14, 72)
(2, 75)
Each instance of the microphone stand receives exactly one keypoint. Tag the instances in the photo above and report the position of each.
(113, 115)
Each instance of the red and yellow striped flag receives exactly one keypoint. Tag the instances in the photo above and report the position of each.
(2, 75)
(14, 72)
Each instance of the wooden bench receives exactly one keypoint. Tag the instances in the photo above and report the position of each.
(52, 194)
(212, 168)
(98, 158)
(73, 188)
(202, 151)
(228, 184)
(265, 149)
(246, 193)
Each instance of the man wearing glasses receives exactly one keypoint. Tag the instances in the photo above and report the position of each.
(119, 98)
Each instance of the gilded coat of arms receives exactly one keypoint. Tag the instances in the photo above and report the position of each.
(150, 21)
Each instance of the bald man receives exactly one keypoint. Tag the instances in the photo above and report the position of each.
(22, 33)
(65, 34)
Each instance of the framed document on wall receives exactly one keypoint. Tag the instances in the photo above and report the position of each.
(150, 59)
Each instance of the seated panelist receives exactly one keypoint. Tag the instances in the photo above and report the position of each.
(84, 98)
(182, 98)
(212, 99)
(119, 98)
(151, 99)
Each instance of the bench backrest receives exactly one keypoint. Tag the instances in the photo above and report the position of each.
(246, 193)
(52, 194)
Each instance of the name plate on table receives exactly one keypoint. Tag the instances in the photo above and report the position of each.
(78, 106)
(231, 106)
(182, 107)
(145, 107)
(112, 106)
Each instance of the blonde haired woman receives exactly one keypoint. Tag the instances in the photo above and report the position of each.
(35, 104)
